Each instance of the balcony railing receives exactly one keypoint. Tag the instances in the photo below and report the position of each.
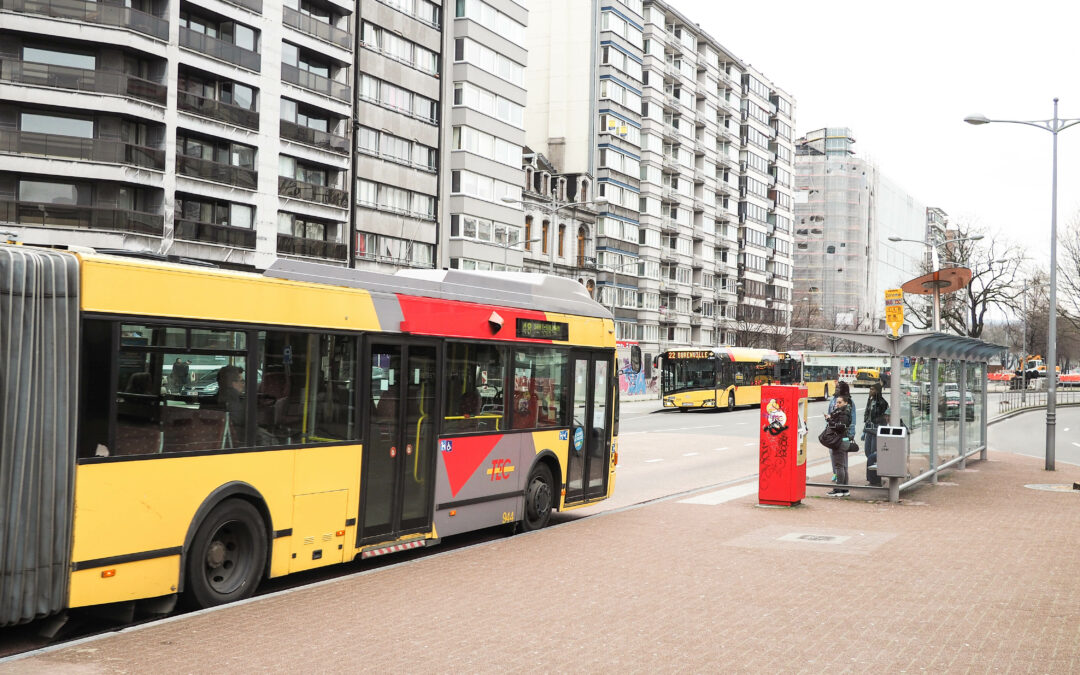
(316, 83)
(315, 248)
(78, 79)
(214, 109)
(94, 12)
(110, 219)
(85, 149)
(320, 139)
(254, 5)
(212, 233)
(220, 49)
(316, 28)
(216, 171)
(290, 187)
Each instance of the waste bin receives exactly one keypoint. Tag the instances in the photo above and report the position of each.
(892, 452)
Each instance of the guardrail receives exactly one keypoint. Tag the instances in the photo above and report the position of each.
(1011, 401)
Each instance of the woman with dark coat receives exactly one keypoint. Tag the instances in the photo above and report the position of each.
(838, 422)
(877, 414)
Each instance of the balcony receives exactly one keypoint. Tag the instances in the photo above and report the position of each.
(216, 110)
(668, 225)
(72, 216)
(216, 171)
(322, 194)
(78, 79)
(212, 233)
(93, 12)
(253, 5)
(84, 149)
(314, 248)
(319, 139)
(316, 83)
(668, 255)
(317, 29)
(220, 49)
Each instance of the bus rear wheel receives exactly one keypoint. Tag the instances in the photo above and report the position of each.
(227, 555)
(731, 402)
(539, 498)
(826, 397)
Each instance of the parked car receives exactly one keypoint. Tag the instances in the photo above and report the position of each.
(949, 406)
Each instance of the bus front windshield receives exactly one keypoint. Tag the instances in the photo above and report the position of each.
(689, 374)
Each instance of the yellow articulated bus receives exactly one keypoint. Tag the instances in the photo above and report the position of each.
(169, 429)
(729, 377)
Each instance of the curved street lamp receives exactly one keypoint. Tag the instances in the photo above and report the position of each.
(934, 262)
(552, 207)
(1054, 125)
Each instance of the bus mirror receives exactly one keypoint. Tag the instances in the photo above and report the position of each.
(635, 359)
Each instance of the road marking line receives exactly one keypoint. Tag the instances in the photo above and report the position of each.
(725, 495)
(1076, 444)
(690, 454)
(721, 449)
(649, 461)
(749, 444)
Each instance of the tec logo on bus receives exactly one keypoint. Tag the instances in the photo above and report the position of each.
(500, 469)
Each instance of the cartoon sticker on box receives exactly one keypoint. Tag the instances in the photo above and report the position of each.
(775, 418)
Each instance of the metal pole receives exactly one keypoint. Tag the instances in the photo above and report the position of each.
(933, 418)
(1023, 357)
(937, 291)
(985, 411)
(1051, 350)
(963, 414)
(894, 419)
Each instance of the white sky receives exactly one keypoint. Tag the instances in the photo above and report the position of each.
(903, 75)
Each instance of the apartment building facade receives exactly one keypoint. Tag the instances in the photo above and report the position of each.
(195, 128)
(692, 154)
(846, 210)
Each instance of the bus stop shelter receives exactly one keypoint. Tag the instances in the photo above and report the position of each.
(938, 391)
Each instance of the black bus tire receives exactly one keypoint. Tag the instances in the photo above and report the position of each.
(826, 397)
(731, 402)
(539, 498)
(227, 556)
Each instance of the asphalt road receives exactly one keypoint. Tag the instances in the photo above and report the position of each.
(1025, 434)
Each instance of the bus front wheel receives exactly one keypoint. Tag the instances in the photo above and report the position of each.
(731, 402)
(826, 397)
(227, 555)
(539, 496)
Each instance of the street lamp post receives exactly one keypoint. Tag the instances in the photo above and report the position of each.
(552, 209)
(1054, 125)
(615, 285)
(934, 262)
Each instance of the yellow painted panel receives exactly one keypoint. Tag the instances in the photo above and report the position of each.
(316, 520)
(749, 395)
(144, 505)
(701, 398)
(586, 331)
(328, 468)
(549, 440)
(128, 287)
(133, 580)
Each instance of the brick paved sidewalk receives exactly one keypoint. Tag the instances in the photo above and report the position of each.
(977, 574)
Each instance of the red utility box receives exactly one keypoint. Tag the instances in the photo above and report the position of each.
(782, 448)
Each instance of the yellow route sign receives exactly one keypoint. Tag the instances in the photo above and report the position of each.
(894, 310)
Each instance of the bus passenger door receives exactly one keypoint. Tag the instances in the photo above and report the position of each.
(589, 450)
(397, 474)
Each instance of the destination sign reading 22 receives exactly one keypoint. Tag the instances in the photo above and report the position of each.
(690, 355)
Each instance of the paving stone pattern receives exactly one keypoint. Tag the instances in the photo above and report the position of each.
(979, 575)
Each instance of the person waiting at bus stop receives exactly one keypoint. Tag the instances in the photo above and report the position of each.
(836, 439)
(877, 414)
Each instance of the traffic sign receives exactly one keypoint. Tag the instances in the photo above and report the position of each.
(894, 310)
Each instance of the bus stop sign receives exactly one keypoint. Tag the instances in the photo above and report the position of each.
(894, 310)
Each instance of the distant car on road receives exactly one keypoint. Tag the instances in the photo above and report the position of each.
(949, 406)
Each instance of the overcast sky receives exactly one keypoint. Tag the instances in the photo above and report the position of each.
(904, 75)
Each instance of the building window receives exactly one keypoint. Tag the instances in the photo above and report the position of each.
(562, 237)
(544, 243)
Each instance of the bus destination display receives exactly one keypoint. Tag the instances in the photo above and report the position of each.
(691, 355)
(543, 330)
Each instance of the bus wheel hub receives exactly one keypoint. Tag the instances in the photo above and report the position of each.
(215, 555)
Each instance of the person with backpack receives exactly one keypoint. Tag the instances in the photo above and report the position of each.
(877, 414)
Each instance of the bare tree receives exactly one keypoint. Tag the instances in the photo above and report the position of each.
(995, 265)
(761, 327)
(1069, 267)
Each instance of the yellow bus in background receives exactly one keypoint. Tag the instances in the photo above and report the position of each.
(189, 430)
(731, 377)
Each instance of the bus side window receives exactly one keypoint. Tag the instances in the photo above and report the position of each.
(95, 387)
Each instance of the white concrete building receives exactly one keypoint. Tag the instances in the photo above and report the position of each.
(692, 151)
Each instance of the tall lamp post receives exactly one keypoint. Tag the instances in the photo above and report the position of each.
(509, 245)
(615, 285)
(552, 208)
(1054, 125)
(934, 262)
